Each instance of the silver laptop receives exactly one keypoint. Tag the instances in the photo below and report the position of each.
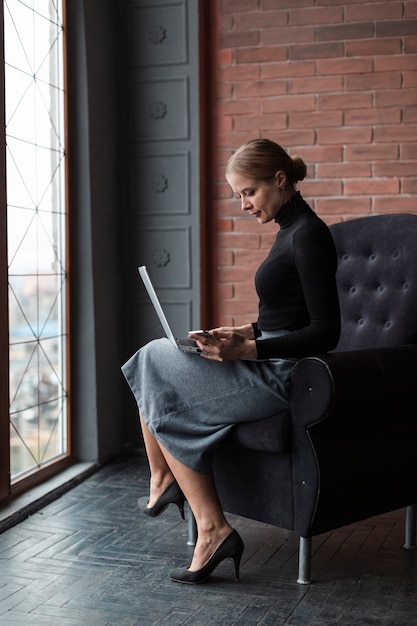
(186, 345)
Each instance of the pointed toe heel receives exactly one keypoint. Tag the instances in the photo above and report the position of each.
(232, 547)
(171, 495)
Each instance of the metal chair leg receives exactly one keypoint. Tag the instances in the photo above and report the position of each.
(192, 529)
(304, 561)
(410, 527)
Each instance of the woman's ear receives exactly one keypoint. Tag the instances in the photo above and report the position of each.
(281, 179)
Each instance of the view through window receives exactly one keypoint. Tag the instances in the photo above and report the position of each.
(35, 171)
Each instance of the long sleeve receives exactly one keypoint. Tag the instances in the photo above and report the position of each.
(297, 289)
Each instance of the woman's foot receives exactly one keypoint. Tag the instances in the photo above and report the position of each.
(231, 547)
(171, 494)
(157, 486)
(207, 544)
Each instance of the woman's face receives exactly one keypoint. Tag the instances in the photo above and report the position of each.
(262, 199)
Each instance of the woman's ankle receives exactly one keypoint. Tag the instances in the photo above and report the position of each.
(159, 481)
(212, 533)
(207, 544)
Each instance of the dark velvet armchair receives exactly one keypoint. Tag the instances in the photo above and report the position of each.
(349, 449)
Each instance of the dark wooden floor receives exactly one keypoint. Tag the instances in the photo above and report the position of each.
(90, 558)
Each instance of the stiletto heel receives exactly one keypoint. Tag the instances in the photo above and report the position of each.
(237, 557)
(171, 495)
(231, 547)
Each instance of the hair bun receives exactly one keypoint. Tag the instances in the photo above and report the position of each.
(300, 168)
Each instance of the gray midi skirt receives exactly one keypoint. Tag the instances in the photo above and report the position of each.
(190, 404)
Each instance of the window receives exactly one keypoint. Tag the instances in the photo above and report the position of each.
(36, 234)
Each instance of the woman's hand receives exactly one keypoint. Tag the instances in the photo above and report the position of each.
(247, 330)
(227, 344)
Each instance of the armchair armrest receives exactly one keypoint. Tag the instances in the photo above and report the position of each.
(358, 384)
(354, 421)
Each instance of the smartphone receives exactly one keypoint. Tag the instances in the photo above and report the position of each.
(203, 333)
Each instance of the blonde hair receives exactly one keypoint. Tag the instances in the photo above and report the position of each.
(262, 158)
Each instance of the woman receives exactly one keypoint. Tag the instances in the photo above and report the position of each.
(188, 404)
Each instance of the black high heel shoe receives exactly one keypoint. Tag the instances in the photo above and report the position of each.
(171, 495)
(231, 547)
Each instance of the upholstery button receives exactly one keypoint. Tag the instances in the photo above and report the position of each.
(361, 321)
(345, 257)
(405, 286)
(372, 257)
(396, 254)
(380, 288)
(387, 324)
(352, 290)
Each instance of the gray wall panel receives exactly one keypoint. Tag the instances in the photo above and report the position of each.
(163, 145)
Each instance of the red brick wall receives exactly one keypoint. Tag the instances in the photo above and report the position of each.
(333, 82)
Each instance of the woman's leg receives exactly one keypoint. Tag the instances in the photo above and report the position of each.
(161, 475)
(199, 491)
(201, 495)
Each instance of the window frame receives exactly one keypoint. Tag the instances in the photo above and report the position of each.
(8, 488)
(4, 302)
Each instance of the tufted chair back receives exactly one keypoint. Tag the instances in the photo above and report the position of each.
(377, 281)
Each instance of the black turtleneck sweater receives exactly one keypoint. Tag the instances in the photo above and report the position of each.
(296, 286)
